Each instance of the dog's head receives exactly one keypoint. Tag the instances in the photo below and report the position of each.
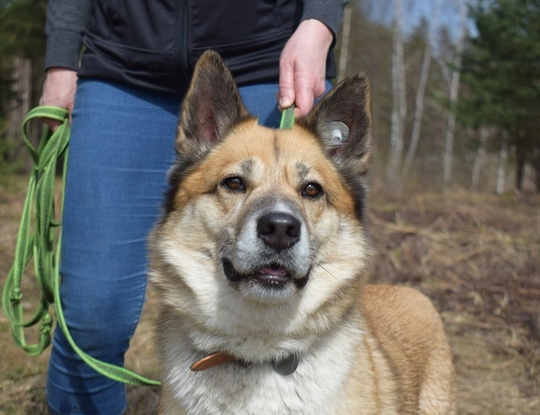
(259, 220)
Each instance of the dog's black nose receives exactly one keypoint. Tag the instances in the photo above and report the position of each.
(279, 230)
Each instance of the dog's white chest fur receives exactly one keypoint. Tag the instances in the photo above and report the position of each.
(314, 388)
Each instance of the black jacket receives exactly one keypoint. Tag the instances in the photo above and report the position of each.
(155, 43)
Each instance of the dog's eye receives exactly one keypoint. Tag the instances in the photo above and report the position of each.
(312, 190)
(234, 183)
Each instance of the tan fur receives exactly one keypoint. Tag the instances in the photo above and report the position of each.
(362, 349)
(411, 336)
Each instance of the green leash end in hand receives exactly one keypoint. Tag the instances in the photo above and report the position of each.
(287, 118)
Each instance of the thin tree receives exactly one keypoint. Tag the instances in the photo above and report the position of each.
(479, 159)
(454, 89)
(399, 107)
(501, 169)
(21, 93)
(345, 42)
(421, 90)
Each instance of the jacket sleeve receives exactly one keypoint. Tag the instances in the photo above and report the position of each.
(66, 23)
(330, 12)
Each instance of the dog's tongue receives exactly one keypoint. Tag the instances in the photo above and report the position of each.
(275, 271)
(273, 275)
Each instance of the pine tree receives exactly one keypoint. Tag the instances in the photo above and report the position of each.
(501, 68)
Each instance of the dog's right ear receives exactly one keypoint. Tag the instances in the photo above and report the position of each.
(211, 107)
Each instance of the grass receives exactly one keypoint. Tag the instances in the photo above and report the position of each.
(475, 255)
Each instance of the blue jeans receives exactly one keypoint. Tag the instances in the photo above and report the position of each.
(120, 151)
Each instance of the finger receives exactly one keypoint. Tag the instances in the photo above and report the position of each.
(320, 88)
(305, 97)
(52, 124)
(286, 85)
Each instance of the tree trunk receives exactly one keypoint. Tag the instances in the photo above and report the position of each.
(399, 109)
(18, 108)
(520, 167)
(454, 89)
(421, 92)
(501, 170)
(536, 167)
(479, 159)
(345, 42)
(537, 175)
(21, 88)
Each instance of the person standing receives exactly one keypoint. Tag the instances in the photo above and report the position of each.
(121, 69)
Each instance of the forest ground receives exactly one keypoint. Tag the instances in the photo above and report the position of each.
(475, 255)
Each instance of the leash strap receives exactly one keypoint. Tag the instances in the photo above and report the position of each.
(40, 238)
(287, 118)
(37, 234)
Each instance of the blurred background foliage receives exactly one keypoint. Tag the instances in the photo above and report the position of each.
(456, 95)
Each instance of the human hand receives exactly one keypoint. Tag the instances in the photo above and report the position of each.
(302, 66)
(59, 91)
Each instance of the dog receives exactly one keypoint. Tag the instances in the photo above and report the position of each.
(261, 261)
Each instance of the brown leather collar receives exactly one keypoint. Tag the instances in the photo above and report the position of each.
(283, 367)
(212, 360)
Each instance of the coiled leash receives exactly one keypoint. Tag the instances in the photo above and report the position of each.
(40, 238)
(38, 234)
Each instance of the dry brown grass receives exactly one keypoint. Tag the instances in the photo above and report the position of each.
(475, 255)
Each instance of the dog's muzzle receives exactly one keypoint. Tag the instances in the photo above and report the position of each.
(270, 259)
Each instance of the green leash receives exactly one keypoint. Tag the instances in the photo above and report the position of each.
(40, 238)
(38, 234)
(287, 118)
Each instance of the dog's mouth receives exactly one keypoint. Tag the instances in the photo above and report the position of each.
(272, 276)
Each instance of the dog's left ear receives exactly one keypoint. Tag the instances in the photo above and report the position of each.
(211, 107)
(342, 122)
